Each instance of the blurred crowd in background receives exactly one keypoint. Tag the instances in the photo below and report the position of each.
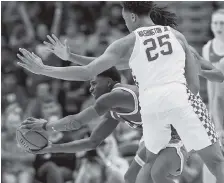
(89, 28)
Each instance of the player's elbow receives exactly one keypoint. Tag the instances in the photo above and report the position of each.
(101, 107)
(94, 143)
(220, 76)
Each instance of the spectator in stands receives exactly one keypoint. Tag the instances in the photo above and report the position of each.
(214, 52)
(17, 163)
(57, 168)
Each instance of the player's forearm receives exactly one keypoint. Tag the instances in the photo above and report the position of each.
(73, 122)
(71, 73)
(79, 59)
(212, 75)
(75, 146)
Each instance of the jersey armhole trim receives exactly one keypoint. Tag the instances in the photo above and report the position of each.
(135, 100)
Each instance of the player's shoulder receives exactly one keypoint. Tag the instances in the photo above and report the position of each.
(123, 44)
(126, 88)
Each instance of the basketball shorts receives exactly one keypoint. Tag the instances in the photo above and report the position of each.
(181, 153)
(192, 122)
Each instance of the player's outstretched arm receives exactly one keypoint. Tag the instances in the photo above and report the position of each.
(101, 132)
(118, 53)
(192, 67)
(208, 71)
(62, 50)
(102, 105)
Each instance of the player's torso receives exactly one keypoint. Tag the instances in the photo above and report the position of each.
(158, 66)
(131, 118)
(157, 58)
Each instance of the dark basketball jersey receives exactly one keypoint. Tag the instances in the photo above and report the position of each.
(133, 119)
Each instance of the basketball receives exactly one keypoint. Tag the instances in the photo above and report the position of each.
(31, 140)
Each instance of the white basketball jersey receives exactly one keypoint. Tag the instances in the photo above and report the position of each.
(157, 58)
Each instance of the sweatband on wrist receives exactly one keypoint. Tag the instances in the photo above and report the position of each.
(139, 160)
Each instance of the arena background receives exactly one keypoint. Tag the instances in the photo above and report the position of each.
(89, 27)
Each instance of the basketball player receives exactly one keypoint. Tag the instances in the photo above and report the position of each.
(162, 65)
(117, 103)
(214, 52)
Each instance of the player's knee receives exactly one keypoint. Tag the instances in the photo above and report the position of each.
(159, 171)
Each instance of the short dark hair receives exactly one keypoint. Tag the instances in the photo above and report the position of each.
(111, 73)
(159, 15)
(138, 7)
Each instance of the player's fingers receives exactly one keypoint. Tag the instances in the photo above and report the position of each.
(50, 46)
(50, 50)
(35, 56)
(55, 38)
(24, 66)
(27, 126)
(26, 53)
(31, 119)
(28, 122)
(51, 40)
(23, 59)
(66, 42)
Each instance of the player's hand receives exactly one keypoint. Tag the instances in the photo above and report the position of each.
(30, 61)
(34, 124)
(59, 49)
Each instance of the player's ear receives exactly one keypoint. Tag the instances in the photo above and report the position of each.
(133, 17)
(109, 83)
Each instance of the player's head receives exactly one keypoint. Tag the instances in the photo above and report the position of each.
(134, 12)
(160, 16)
(137, 13)
(104, 82)
(217, 23)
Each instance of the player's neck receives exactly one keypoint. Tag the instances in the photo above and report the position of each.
(115, 84)
(145, 22)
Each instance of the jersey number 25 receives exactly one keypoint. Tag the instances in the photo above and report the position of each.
(163, 41)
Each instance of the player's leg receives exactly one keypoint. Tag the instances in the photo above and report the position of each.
(136, 164)
(156, 134)
(197, 132)
(170, 161)
(144, 175)
(214, 160)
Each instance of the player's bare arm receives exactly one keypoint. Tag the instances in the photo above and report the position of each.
(192, 68)
(101, 132)
(103, 104)
(208, 71)
(117, 54)
(62, 50)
